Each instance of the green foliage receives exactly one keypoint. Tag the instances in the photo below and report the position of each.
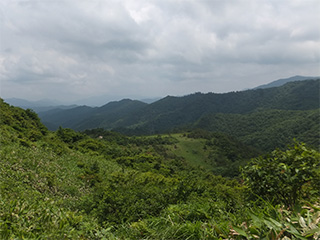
(130, 196)
(40, 219)
(68, 185)
(18, 125)
(278, 223)
(68, 135)
(39, 193)
(285, 177)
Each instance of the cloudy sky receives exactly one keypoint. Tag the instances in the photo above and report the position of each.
(77, 49)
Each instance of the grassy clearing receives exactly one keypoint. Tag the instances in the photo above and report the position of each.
(192, 150)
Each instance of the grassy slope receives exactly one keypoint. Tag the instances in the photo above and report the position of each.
(192, 150)
(40, 193)
(216, 153)
(42, 181)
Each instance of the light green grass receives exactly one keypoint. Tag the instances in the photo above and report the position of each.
(192, 150)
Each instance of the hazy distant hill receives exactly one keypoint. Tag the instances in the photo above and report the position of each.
(135, 117)
(38, 106)
(26, 103)
(283, 81)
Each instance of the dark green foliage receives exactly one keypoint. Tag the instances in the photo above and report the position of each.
(69, 136)
(267, 130)
(132, 195)
(100, 133)
(285, 177)
(91, 175)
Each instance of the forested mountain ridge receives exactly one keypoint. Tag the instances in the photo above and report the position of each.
(172, 112)
(66, 118)
(104, 185)
(85, 117)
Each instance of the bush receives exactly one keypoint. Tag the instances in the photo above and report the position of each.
(285, 176)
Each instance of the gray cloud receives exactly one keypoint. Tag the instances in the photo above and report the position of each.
(71, 49)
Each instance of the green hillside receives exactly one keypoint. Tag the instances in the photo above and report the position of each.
(104, 185)
(18, 125)
(268, 129)
(217, 153)
(111, 114)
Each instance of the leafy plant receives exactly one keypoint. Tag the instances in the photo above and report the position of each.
(284, 176)
(278, 223)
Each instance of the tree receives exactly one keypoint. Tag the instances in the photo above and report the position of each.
(284, 176)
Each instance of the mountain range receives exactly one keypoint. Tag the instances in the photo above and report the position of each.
(38, 106)
(49, 104)
(273, 113)
(294, 103)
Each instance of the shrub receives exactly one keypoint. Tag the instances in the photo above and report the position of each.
(285, 176)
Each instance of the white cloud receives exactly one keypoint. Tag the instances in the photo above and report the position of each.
(71, 49)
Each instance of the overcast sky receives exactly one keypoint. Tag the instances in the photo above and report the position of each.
(77, 49)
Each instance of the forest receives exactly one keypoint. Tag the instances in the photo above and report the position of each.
(253, 175)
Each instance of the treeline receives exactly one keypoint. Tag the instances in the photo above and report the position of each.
(99, 184)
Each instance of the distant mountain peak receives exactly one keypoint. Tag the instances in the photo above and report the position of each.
(283, 81)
